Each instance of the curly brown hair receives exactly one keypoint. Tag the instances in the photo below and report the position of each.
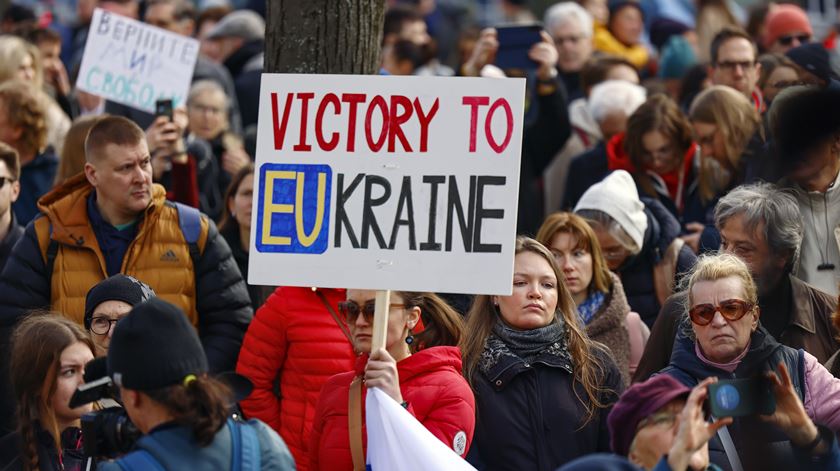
(24, 109)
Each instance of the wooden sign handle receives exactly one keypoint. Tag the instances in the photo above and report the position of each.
(380, 320)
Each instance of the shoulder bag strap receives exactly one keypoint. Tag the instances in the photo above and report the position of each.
(334, 315)
(729, 448)
(354, 421)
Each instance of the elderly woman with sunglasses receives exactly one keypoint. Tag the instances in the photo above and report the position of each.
(723, 338)
(419, 368)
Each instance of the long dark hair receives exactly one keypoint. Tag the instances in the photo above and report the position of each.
(589, 371)
(36, 348)
(202, 404)
(228, 221)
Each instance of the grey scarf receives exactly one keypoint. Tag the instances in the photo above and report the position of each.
(525, 345)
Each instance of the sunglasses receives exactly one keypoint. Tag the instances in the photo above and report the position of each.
(351, 310)
(788, 40)
(4, 180)
(731, 310)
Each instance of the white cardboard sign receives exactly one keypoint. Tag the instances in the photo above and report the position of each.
(380, 182)
(135, 64)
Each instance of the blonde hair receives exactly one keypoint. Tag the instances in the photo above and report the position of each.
(735, 117)
(576, 226)
(13, 51)
(723, 265)
(589, 370)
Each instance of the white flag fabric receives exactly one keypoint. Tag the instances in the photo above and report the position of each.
(397, 441)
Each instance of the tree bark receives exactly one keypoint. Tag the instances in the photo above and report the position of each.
(323, 36)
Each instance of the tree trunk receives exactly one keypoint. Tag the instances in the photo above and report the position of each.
(323, 36)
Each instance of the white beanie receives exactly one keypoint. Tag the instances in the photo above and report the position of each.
(616, 195)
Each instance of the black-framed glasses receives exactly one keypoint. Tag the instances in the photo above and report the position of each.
(102, 324)
(351, 310)
(788, 39)
(732, 65)
(4, 180)
(730, 309)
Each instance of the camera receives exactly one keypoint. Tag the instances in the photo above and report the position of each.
(108, 433)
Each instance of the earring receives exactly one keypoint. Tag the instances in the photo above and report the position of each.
(410, 338)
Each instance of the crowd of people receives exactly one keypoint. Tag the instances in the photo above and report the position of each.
(679, 223)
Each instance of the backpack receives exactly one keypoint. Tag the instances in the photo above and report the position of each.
(189, 220)
(245, 451)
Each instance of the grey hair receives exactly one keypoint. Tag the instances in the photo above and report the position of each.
(615, 96)
(766, 203)
(597, 218)
(566, 12)
(206, 85)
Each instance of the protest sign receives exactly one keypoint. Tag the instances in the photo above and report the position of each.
(135, 64)
(401, 183)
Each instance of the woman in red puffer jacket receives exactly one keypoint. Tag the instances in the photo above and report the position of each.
(293, 339)
(422, 372)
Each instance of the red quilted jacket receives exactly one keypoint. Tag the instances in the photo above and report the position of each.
(437, 395)
(293, 336)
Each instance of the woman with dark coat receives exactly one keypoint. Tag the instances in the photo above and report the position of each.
(542, 387)
(639, 240)
(48, 357)
(731, 137)
(235, 227)
(721, 337)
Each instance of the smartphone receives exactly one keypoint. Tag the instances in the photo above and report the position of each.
(514, 44)
(741, 397)
(163, 107)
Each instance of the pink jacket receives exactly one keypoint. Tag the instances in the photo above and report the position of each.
(822, 394)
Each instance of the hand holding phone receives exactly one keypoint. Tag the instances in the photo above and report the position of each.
(515, 42)
(741, 397)
(790, 414)
(163, 107)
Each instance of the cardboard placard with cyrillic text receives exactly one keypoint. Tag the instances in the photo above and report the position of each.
(133, 63)
(379, 182)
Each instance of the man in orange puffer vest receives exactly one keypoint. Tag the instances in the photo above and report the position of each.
(111, 220)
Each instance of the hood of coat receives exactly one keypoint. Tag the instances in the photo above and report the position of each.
(66, 207)
(614, 311)
(582, 120)
(425, 361)
(663, 226)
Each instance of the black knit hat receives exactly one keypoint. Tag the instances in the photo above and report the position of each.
(119, 287)
(812, 57)
(153, 347)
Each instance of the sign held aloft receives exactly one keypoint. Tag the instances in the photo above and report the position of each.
(134, 63)
(401, 183)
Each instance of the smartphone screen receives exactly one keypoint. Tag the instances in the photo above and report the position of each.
(741, 397)
(514, 44)
(163, 107)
